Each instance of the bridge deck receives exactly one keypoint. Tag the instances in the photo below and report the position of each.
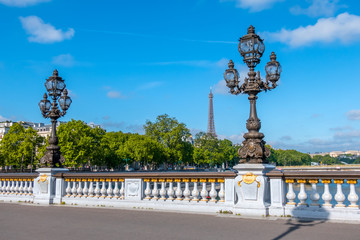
(23, 222)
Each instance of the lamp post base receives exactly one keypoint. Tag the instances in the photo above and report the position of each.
(48, 189)
(252, 188)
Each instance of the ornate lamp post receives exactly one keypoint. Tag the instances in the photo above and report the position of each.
(55, 86)
(251, 48)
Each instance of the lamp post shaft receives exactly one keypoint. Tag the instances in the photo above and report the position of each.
(251, 48)
(56, 88)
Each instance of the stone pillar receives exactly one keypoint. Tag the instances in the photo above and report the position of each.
(252, 188)
(48, 189)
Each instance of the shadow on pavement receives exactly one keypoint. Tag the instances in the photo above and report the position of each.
(295, 224)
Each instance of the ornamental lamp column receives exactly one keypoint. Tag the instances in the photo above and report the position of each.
(252, 185)
(47, 188)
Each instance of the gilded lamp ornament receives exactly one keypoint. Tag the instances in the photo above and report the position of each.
(55, 87)
(251, 48)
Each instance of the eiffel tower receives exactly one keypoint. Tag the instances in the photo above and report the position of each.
(211, 124)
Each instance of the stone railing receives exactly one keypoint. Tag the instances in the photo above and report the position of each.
(165, 190)
(255, 189)
(315, 194)
(17, 187)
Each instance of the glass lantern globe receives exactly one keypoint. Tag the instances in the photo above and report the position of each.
(273, 69)
(55, 85)
(45, 105)
(65, 101)
(251, 48)
(231, 75)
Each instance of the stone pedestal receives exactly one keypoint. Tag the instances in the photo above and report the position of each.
(252, 189)
(46, 186)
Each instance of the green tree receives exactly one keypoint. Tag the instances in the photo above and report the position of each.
(289, 157)
(19, 145)
(173, 136)
(212, 151)
(111, 144)
(143, 149)
(80, 144)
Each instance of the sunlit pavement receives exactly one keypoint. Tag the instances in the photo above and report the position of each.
(61, 222)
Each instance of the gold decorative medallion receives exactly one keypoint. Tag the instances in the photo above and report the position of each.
(249, 178)
(43, 178)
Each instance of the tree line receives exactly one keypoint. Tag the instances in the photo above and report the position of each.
(166, 144)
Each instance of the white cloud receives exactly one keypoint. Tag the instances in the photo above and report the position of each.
(3, 119)
(353, 115)
(41, 32)
(221, 88)
(326, 8)
(115, 94)
(65, 60)
(344, 28)
(254, 5)
(22, 3)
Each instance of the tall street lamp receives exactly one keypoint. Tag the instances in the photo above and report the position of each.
(251, 48)
(55, 86)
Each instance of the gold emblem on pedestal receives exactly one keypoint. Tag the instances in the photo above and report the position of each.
(249, 178)
(43, 178)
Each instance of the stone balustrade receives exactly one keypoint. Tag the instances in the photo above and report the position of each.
(15, 187)
(257, 190)
(147, 189)
(315, 194)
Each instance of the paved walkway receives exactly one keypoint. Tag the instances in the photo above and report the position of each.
(27, 222)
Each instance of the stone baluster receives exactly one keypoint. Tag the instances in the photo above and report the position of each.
(353, 197)
(85, 189)
(339, 196)
(186, 192)
(73, 189)
(147, 191)
(4, 187)
(97, 188)
(170, 191)
(122, 189)
(204, 193)
(116, 189)
(12, 188)
(68, 188)
(213, 192)
(8, 187)
(302, 196)
(314, 196)
(17, 186)
(21, 187)
(290, 196)
(326, 197)
(162, 189)
(178, 191)
(79, 189)
(1, 185)
(103, 188)
(222, 190)
(109, 189)
(91, 188)
(155, 191)
(30, 188)
(195, 192)
(26, 187)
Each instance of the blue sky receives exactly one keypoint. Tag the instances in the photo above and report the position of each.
(126, 62)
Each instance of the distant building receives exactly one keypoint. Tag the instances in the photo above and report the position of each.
(42, 129)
